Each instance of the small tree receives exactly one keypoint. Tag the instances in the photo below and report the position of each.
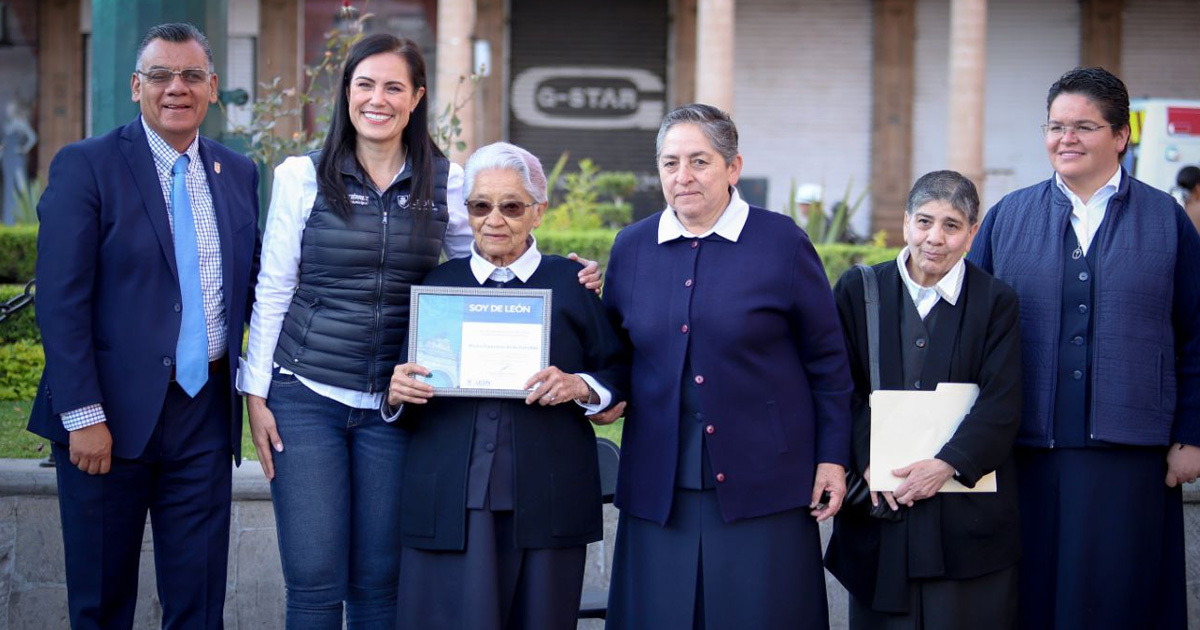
(322, 80)
(590, 198)
(277, 103)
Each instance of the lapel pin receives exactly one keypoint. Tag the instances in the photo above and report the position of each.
(217, 167)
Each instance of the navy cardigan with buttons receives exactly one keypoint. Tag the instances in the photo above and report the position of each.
(766, 352)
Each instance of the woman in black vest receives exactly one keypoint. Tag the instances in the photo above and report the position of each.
(949, 560)
(501, 496)
(350, 230)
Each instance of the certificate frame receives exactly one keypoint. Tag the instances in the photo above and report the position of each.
(479, 341)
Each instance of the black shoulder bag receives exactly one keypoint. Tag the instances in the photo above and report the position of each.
(858, 493)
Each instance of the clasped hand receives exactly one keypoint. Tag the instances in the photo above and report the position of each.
(922, 480)
(1183, 464)
(550, 386)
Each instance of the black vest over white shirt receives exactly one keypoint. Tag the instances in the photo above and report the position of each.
(349, 316)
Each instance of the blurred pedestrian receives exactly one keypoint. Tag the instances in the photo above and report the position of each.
(1188, 181)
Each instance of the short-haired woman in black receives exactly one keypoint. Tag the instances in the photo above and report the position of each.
(949, 561)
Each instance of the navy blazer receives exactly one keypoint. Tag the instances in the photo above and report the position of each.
(108, 301)
(556, 477)
(767, 352)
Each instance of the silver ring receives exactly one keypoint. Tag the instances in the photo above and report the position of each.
(551, 397)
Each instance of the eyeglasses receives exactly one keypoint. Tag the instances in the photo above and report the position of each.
(510, 209)
(162, 76)
(1057, 131)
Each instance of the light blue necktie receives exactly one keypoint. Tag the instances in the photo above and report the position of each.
(191, 351)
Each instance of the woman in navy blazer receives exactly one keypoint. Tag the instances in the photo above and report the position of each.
(501, 496)
(739, 411)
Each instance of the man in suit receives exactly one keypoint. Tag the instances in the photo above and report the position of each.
(148, 237)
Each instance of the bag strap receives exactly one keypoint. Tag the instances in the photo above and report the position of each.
(871, 294)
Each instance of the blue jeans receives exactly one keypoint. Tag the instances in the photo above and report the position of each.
(336, 495)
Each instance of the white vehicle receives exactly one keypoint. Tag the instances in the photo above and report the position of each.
(1164, 137)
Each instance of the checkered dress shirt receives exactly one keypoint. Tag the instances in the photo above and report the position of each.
(207, 241)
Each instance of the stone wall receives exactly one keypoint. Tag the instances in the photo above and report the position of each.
(33, 593)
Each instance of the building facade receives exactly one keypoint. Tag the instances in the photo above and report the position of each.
(852, 95)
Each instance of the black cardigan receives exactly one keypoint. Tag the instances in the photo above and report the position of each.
(556, 492)
(967, 535)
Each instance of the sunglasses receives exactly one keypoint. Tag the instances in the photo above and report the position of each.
(509, 209)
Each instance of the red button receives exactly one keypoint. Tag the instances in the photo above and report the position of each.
(695, 244)
(710, 429)
(687, 283)
(720, 477)
(699, 379)
(683, 329)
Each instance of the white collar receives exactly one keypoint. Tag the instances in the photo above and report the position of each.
(523, 267)
(1104, 192)
(728, 226)
(948, 288)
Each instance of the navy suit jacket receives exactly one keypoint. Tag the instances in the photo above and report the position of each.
(108, 293)
(766, 346)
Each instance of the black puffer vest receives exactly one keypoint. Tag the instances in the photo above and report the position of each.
(349, 316)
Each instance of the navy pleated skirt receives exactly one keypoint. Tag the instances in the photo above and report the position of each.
(1103, 540)
(700, 572)
(492, 584)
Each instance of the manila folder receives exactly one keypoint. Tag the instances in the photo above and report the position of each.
(911, 425)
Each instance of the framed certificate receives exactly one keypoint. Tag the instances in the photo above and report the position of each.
(483, 342)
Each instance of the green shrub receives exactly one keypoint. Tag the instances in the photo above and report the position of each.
(18, 252)
(19, 327)
(614, 215)
(596, 245)
(590, 244)
(838, 257)
(21, 365)
(591, 198)
(28, 195)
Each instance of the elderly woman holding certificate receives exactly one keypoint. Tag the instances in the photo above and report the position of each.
(502, 495)
(922, 559)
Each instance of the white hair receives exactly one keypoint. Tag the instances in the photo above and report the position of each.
(502, 155)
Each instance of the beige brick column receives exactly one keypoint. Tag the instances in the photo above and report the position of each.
(714, 53)
(281, 52)
(60, 81)
(455, 24)
(892, 113)
(1100, 34)
(968, 73)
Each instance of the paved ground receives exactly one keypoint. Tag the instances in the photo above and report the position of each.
(33, 590)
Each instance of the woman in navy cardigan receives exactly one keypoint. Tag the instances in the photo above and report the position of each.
(739, 414)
